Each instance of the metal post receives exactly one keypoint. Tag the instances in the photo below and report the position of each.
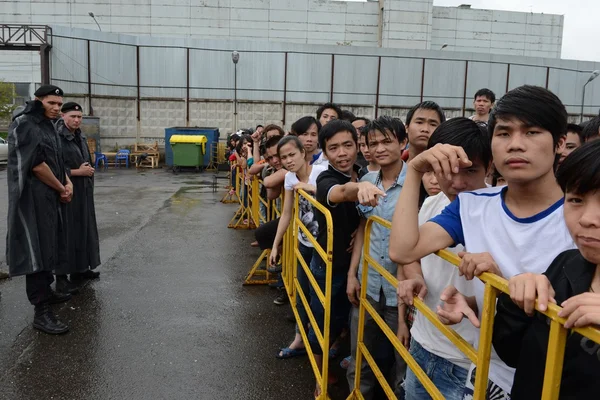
(89, 70)
(187, 89)
(422, 80)
(464, 107)
(582, 103)
(45, 63)
(377, 91)
(332, 77)
(507, 78)
(284, 88)
(235, 118)
(547, 76)
(137, 66)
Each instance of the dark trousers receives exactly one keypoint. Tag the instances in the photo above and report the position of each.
(37, 286)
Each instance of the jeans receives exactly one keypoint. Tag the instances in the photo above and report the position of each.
(372, 338)
(340, 306)
(449, 378)
(307, 253)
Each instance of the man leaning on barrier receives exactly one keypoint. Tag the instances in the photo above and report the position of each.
(506, 231)
(571, 281)
(440, 359)
(386, 138)
(338, 191)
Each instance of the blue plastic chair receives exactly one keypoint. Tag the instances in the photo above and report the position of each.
(100, 157)
(122, 155)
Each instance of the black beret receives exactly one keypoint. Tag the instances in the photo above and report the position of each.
(46, 90)
(70, 106)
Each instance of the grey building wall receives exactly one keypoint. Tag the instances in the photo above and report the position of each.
(364, 80)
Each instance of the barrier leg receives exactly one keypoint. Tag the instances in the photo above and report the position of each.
(255, 272)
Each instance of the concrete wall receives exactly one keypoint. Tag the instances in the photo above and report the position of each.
(405, 76)
(410, 24)
(497, 32)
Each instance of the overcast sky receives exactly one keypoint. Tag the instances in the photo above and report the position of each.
(582, 21)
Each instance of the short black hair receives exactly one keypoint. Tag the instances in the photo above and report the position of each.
(326, 106)
(367, 120)
(467, 134)
(574, 128)
(580, 172)
(333, 128)
(287, 139)
(388, 125)
(487, 93)
(303, 124)
(534, 106)
(591, 129)
(273, 141)
(426, 105)
(348, 115)
(259, 126)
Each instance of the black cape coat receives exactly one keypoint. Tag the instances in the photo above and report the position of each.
(36, 237)
(80, 213)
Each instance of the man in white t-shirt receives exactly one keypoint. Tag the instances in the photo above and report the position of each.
(506, 231)
(446, 366)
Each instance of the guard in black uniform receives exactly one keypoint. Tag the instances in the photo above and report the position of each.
(38, 189)
(80, 215)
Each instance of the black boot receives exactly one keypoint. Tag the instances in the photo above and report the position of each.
(46, 321)
(83, 276)
(56, 297)
(63, 285)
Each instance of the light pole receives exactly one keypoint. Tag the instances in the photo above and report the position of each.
(593, 76)
(235, 57)
(91, 14)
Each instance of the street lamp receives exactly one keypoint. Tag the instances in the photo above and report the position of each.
(91, 14)
(593, 76)
(444, 46)
(235, 57)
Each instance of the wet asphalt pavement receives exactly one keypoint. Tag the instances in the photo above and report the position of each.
(168, 318)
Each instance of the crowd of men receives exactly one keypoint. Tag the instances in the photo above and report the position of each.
(513, 191)
(51, 217)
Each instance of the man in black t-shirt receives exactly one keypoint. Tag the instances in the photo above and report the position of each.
(337, 190)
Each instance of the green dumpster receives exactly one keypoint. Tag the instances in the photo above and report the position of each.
(188, 151)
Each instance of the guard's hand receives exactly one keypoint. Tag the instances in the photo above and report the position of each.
(87, 169)
(408, 288)
(353, 290)
(475, 264)
(443, 159)
(581, 310)
(67, 195)
(455, 308)
(368, 194)
(524, 288)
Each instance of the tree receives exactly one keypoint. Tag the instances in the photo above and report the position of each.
(7, 97)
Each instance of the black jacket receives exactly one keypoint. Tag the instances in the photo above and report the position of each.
(521, 341)
(36, 235)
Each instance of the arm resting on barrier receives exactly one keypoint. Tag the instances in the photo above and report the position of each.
(272, 194)
(284, 223)
(403, 331)
(412, 284)
(408, 242)
(353, 285)
(364, 192)
(256, 169)
(274, 180)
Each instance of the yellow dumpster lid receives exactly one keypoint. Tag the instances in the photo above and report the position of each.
(197, 139)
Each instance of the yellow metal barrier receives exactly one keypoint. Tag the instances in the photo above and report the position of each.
(480, 357)
(231, 196)
(256, 275)
(292, 258)
(244, 217)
